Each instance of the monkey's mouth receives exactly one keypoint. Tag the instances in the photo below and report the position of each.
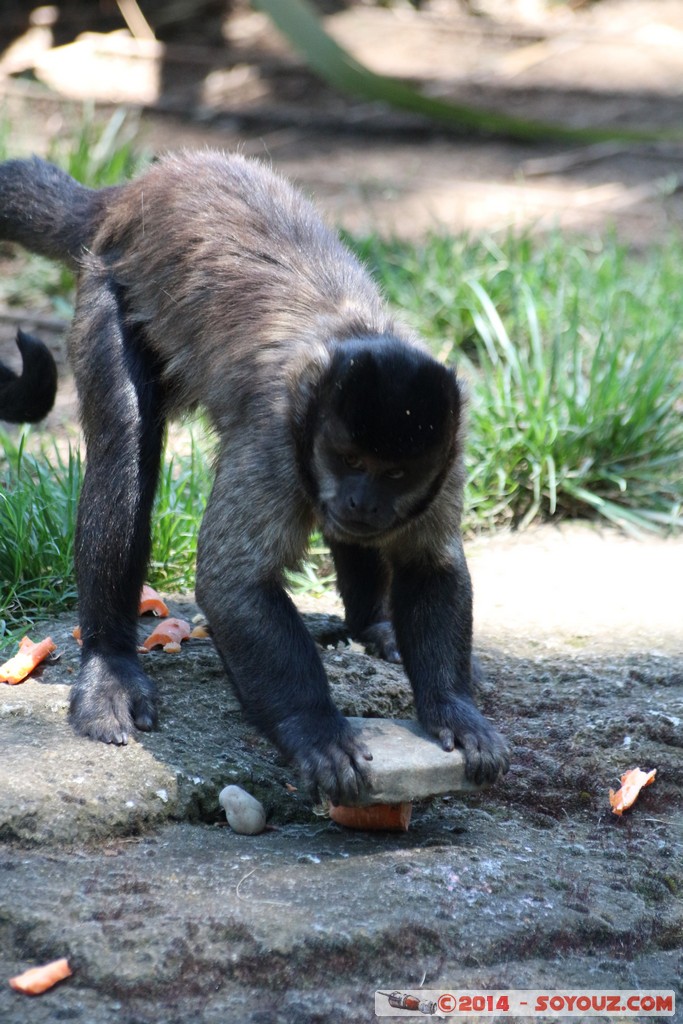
(353, 529)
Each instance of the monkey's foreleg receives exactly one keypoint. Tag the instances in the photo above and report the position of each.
(432, 609)
(268, 654)
(280, 681)
(121, 415)
(363, 581)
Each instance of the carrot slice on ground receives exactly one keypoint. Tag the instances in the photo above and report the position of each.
(25, 660)
(390, 817)
(631, 784)
(150, 601)
(40, 979)
(171, 631)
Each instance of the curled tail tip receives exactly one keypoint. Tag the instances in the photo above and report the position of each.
(28, 397)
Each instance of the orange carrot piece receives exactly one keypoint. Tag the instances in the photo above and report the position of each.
(76, 634)
(631, 784)
(389, 817)
(150, 601)
(171, 631)
(25, 660)
(40, 979)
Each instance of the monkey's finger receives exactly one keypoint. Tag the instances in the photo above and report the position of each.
(320, 779)
(474, 748)
(350, 781)
(446, 738)
(342, 778)
(309, 784)
(487, 756)
(353, 745)
(359, 754)
(494, 758)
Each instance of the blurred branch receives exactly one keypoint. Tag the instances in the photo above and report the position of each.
(137, 23)
(298, 21)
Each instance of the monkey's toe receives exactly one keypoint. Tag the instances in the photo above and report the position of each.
(144, 712)
(102, 726)
(145, 722)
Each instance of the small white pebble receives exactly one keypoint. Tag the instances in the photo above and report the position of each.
(162, 794)
(243, 811)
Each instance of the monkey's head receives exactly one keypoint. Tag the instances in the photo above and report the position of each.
(386, 427)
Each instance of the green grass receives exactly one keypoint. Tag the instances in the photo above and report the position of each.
(97, 151)
(38, 501)
(572, 353)
(38, 504)
(184, 487)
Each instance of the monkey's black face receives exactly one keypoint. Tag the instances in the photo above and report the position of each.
(384, 435)
(362, 497)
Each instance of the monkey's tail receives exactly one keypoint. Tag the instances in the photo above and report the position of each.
(29, 396)
(46, 210)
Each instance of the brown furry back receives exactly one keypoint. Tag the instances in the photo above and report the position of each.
(228, 267)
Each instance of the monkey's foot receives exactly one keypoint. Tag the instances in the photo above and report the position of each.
(380, 640)
(111, 697)
(330, 758)
(457, 722)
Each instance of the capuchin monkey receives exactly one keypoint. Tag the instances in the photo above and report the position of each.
(209, 281)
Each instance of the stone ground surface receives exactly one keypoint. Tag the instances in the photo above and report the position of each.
(119, 858)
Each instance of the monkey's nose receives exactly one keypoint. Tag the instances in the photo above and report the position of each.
(359, 509)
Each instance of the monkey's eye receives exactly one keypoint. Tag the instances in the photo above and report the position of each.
(395, 474)
(353, 462)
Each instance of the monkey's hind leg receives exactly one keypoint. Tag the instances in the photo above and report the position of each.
(123, 423)
(363, 580)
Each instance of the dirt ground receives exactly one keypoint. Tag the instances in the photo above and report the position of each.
(122, 860)
(119, 858)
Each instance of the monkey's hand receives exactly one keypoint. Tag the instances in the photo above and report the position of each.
(332, 761)
(457, 722)
(111, 697)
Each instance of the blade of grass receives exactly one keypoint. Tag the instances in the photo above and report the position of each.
(298, 21)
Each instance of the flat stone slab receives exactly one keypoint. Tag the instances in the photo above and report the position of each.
(409, 764)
